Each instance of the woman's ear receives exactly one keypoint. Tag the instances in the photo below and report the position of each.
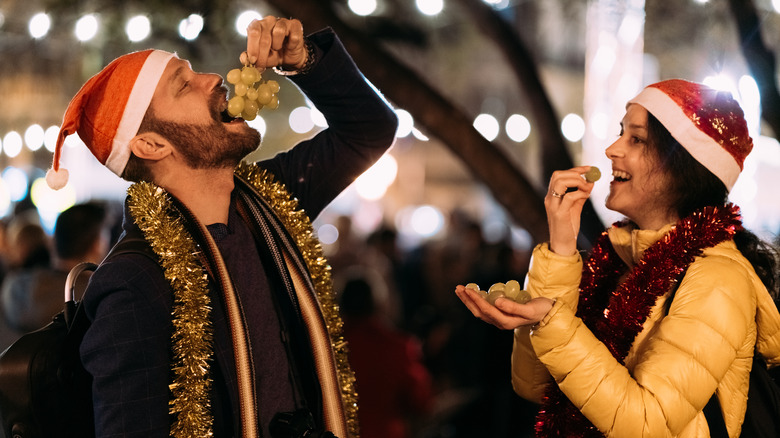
(150, 146)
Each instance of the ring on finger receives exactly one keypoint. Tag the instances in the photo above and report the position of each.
(556, 194)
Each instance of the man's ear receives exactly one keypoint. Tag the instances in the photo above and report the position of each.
(150, 146)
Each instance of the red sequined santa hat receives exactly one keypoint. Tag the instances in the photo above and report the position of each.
(708, 123)
(108, 109)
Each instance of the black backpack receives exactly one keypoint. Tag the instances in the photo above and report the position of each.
(44, 389)
(762, 417)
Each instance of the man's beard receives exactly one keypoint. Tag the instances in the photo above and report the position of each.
(209, 146)
(212, 146)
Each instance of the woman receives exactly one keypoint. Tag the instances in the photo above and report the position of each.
(626, 359)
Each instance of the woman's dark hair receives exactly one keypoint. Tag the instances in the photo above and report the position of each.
(695, 187)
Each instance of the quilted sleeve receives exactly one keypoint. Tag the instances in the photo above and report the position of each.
(553, 276)
(688, 354)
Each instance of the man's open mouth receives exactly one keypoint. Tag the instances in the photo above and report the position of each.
(225, 117)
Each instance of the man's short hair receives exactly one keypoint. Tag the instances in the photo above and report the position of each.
(78, 228)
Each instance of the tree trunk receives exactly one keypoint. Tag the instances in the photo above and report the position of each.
(760, 60)
(555, 155)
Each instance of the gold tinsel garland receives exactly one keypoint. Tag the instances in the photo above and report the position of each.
(192, 338)
(299, 226)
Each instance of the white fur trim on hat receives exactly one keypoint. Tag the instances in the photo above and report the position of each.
(137, 104)
(701, 146)
(57, 179)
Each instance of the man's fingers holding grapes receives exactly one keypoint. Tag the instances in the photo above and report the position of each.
(275, 42)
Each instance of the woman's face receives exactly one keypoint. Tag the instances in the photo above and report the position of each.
(640, 186)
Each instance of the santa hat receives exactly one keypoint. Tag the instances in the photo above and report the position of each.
(108, 109)
(708, 123)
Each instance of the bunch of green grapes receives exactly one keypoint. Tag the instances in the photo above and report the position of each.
(251, 93)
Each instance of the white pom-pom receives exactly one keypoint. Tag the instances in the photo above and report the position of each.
(57, 179)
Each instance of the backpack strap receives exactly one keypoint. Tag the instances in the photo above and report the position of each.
(712, 411)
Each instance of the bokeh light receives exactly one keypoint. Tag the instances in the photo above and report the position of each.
(430, 7)
(405, 123)
(39, 25)
(416, 223)
(86, 27)
(12, 144)
(317, 117)
(328, 234)
(487, 125)
(243, 20)
(518, 128)
(50, 137)
(50, 202)
(16, 183)
(362, 7)
(373, 183)
(300, 120)
(5, 199)
(138, 28)
(259, 124)
(190, 27)
(573, 127)
(34, 136)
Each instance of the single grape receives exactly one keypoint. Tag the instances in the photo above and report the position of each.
(264, 94)
(495, 292)
(233, 76)
(512, 289)
(235, 105)
(249, 74)
(274, 86)
(497, 286)
(248, 115)
(522, 297)
(473, 286)
(493, 295)
(274, 103)
(251, 93)
(241, 89)
(593, 174)
(251, 106)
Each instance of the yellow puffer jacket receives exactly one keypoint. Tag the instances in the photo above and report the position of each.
(719, 313)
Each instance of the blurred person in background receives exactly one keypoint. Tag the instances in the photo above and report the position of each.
(28, 245)
(395, 387)
(31, 295)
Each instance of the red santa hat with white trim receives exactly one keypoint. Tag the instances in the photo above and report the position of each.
(708, 123)
(108, 109)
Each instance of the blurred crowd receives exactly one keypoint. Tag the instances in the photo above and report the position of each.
(467, 361)
(425, 367)
(34, 265)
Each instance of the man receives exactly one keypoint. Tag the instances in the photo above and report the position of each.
(230, 327)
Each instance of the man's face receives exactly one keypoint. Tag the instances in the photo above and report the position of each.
(188, 110)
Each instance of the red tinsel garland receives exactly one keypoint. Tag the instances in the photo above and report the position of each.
(616, 312)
